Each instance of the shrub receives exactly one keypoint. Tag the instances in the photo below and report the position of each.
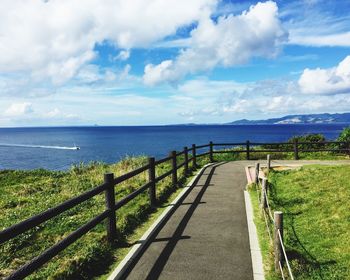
(344, 136)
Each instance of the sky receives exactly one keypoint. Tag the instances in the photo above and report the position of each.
(156, 62)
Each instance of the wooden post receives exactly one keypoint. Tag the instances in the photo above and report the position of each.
(257, 167)
(247, 150)
(152, 180)
(174, 167)
(211, 151)
(268, 163)
(186, 161)
(278, 216)
(296, 151)
(194, 155)
(263, 201)
(110, 204)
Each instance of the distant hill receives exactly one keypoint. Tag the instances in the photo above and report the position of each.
(300, 119)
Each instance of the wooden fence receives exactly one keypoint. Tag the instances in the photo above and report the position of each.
(189, 156)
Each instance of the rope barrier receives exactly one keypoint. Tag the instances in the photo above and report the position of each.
(267, 226)
(285, 255)
(258, 194)
(281, 269)
(268, 207)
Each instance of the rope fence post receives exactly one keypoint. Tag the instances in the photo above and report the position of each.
(257, 167)
(186, 161)
(174, 169)
(268, 163)
(152, 180)
(296, 149)
(110, 203)
(194, 156)
(248, 150)
(278, 217)
(211, 151)
(263, 201)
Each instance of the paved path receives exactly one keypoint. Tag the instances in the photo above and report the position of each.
(207, 236)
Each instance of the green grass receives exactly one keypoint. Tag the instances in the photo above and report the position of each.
(264, 240)
(315, 203)
(26, 193)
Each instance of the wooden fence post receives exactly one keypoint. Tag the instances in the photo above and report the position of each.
(263, 201)
(257, 167)
(296, 149)
(194, 156)
(110, 204)
(278, 217)
(268, 163)
(174, 167)
(186, 161)
(247, 150)
(152, 181)
(211, 151)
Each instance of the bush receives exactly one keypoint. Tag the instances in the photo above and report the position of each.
(344, 136)
(316, 141)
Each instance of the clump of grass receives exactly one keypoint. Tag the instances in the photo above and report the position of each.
(314, 200)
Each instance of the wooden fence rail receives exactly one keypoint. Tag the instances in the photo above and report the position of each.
(190, 155)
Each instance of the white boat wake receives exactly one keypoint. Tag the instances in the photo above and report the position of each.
(40, 146)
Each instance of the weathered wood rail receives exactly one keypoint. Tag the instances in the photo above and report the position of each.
(188, 155)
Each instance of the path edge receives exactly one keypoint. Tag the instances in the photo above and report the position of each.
(137, 248)
(255, 251)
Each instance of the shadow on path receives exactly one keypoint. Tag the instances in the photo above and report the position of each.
(162, 259)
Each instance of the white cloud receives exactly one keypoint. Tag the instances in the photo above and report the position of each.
(327, 81)
(315, 24)
(53, 39)
(123, 55)
(232, 40)
(156, 73)
(54, 113)
(59, 115)
(18, 109)
(331, 40)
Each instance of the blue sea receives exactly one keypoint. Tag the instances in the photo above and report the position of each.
(51, 147)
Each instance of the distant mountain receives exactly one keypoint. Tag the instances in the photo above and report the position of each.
(300, 119)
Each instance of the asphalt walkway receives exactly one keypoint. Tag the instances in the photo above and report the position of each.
(206, 237)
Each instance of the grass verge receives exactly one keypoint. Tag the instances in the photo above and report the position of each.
(314, 200)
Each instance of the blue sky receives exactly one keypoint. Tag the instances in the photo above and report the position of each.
(153, 62)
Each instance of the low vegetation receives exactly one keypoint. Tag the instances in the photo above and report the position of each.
(314, 200)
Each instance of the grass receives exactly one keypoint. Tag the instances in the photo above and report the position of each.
(26, 193)
(264, 240)
(315, 203)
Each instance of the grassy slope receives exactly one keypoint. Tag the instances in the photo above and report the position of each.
(316, 210)
(26, 193)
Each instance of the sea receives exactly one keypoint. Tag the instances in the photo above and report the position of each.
(54, 147)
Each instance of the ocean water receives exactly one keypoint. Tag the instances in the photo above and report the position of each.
(51, 148)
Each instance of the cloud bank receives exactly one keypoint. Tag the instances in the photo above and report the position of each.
(231, 40)
(53, 39)
(333, 80)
